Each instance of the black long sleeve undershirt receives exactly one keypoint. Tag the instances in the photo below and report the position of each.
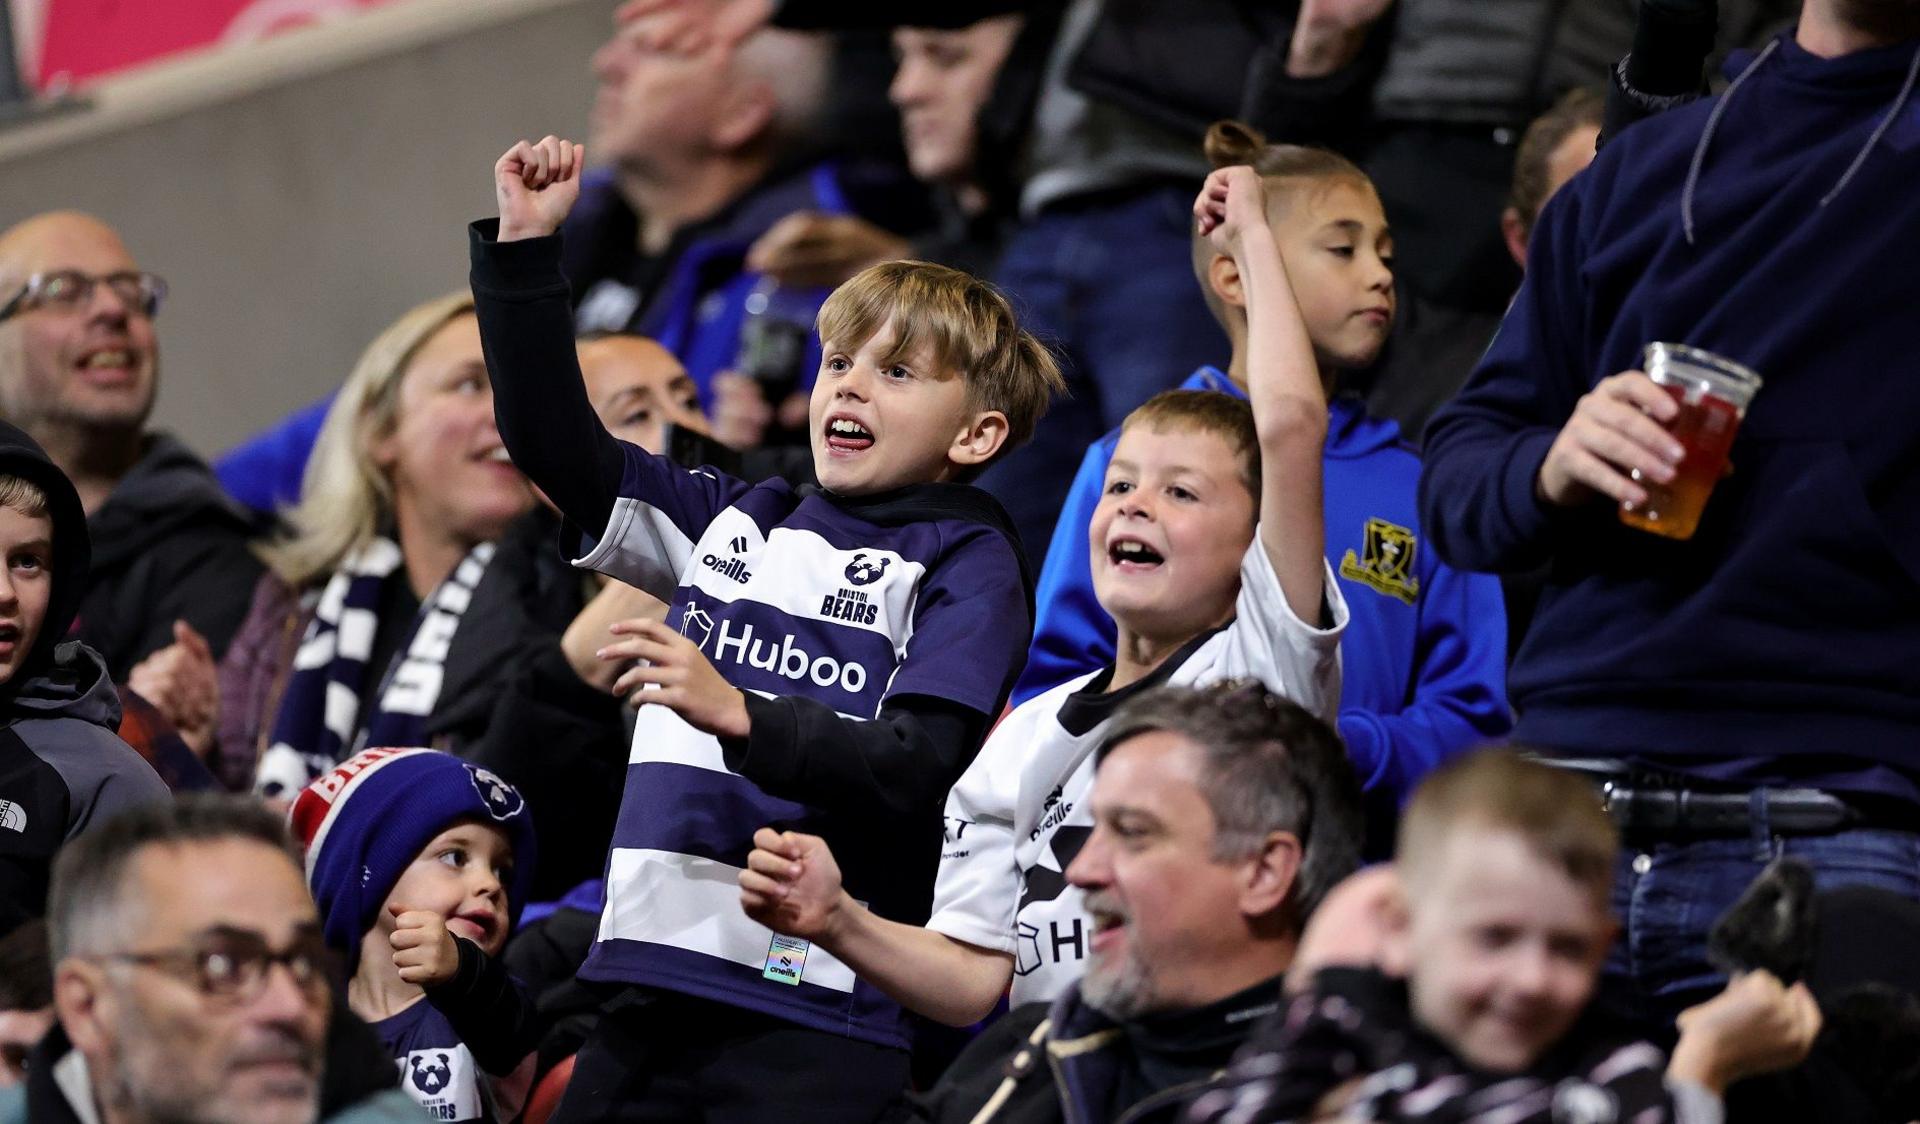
(900, 764)
(540, 400)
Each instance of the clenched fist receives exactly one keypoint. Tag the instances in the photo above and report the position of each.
(792, 885)
(536, 185)
(423, 949)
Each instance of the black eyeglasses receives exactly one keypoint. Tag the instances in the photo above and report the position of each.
(232, 967)
(70, 288)
(13, 1058)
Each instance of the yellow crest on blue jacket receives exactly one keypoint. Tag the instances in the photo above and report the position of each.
(1386, 561)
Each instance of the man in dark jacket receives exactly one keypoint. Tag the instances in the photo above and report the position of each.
(79, 365)
(61, 767)
(1221, 817)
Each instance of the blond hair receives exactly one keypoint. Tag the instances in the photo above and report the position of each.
(1206, 411)
(964, 323)
(1556, 812)
(22, 495)
(345, 497)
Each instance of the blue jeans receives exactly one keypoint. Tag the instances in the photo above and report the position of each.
(1667, 896)
(1110, 285)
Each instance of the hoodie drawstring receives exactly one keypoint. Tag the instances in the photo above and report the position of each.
(1706, 138)
(1899, 103)
(1713, 122)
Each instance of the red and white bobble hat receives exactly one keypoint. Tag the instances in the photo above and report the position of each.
(365, 821)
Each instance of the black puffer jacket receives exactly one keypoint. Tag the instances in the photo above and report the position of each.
(561, 742)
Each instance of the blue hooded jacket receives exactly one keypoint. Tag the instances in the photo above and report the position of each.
(1424, 657)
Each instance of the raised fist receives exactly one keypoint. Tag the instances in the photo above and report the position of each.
(536, 185)
(1232, 203)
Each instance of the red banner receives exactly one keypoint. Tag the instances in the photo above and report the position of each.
(85, 39)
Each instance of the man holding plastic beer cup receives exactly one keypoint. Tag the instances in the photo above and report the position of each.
(1729, 638)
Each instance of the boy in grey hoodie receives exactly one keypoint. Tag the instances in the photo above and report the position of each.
(62, 767)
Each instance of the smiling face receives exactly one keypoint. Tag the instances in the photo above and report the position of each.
(93, 365)
(942, 80)
(1501, 947)
(1168, 923)
(638, 388)
(449, 470)
(1175, 517)
(1332, 234)
(462, 876)
(26, 584)
(880, 421)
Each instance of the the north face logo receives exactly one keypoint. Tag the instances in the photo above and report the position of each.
(430, 1077)
(503, 801)
(862, 572)
(13, 817)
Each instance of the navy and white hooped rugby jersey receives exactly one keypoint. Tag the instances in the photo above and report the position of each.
(436, 1068)
(1021, 812)
(846, 602)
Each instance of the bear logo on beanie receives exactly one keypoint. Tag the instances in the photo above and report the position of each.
(503, 801)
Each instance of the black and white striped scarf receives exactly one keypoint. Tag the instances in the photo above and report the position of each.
(320, 711)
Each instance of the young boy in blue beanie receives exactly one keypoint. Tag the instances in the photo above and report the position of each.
(420, 863)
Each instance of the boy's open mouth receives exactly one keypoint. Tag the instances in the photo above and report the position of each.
(481, 923)
(1132, 555)
(846, 435)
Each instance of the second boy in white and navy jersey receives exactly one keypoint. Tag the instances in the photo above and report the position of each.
(831, 660)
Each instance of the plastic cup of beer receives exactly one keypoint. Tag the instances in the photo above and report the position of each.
(1713, 393)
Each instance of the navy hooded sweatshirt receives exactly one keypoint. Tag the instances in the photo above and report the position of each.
(1782, 643)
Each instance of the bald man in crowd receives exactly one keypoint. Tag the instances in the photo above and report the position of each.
(79, 368)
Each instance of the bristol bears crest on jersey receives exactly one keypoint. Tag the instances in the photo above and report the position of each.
(436, 1068)
(788, 594)
(430, 1072)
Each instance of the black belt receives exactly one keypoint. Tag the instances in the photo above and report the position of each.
(1654, 804)
(1684, 811)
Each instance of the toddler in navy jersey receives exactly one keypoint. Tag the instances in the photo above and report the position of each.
(420, 863)
(830, 662)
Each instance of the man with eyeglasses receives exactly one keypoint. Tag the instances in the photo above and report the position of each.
(79, 365)
(190, 980)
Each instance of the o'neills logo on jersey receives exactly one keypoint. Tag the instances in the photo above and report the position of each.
(1055, 810)
(735, 568)
(783, 657)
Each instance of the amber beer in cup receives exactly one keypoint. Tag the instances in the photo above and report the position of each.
(1713, 393)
